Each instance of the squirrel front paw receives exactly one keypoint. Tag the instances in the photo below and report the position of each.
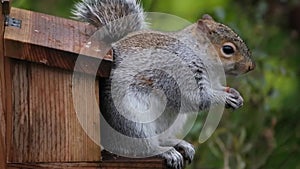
(186, 149)
(173, 159)
(233, 99)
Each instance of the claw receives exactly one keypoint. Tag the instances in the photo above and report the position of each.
(187, 150)
(173, 158)
(234, 99)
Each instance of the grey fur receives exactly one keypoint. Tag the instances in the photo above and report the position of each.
(132, 47)
(119, 17)
(195, 99)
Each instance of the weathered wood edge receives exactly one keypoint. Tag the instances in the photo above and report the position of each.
(6, 5)
(2, 92)
(8, 106)
(55, 42)
(112, 164)
(109, 161)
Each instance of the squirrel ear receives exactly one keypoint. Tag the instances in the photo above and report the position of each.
(201, 25)
(207, 17)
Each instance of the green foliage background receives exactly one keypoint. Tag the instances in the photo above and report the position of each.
(265, 133)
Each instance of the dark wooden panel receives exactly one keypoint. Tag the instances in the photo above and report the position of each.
(55, 42)
(131, 164)
(45, 127)
(2, 94)
(109, 162)
(6, 5)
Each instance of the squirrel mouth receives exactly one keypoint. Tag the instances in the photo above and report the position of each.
(231, 73)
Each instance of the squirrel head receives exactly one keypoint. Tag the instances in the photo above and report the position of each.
(232, 50)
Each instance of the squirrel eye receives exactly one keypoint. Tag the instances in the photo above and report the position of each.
(228, 49)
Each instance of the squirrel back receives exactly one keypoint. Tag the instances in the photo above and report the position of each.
(117, 17)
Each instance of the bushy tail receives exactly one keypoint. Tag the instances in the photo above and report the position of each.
(119, 17)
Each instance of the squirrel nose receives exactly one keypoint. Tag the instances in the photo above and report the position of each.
(251, 66)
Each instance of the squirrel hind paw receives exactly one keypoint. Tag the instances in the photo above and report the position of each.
(187, 150)
(174, 159)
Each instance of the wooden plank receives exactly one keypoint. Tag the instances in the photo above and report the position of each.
(109, 162)
(20, 114)
(6, 5)
(2, 93)
(130, 164)
(56, 42)
(53, 166)
(8, 104)
(45, 127)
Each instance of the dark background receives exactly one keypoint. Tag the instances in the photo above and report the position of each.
(265, 132)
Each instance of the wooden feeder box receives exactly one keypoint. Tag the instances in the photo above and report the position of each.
(38, 123)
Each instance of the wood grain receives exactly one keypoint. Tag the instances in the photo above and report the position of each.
(45, 127)
(56, 42)
(8, 104)
(40, 126)
(115, 164)
(109, 162)
(2, 95)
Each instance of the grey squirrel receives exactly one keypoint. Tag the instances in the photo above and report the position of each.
(131, 96)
